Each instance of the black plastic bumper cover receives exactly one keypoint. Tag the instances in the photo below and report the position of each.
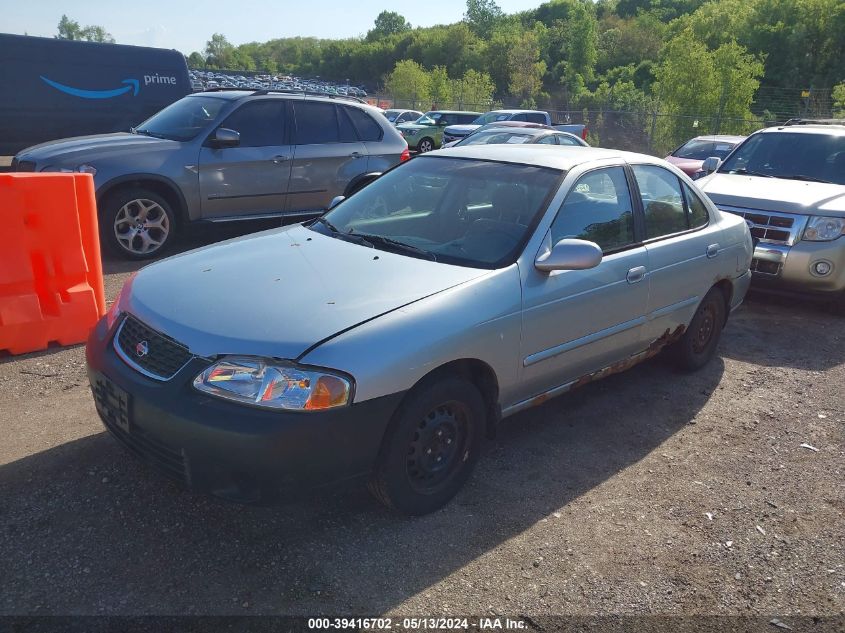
(234, 451)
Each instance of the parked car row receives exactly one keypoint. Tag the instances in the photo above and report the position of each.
(211, 79)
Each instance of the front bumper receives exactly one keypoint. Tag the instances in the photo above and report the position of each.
(233, 451)
(791, 268)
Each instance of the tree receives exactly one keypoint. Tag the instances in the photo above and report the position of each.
(440, 87)
(582, 40)
(218, 51)
(482, 16)
(196, 60)
(526, 70)
(409, 83)
(70, 30)
(474, 90)
(388, 23)
(839, 100)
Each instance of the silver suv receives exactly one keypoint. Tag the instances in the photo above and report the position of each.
(221, 156)
(460, 288)
(788, 182)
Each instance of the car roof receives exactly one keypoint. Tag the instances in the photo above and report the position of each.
(454, 111)
(727, 138)
(526, 130)
(518, 111)
(552, 156)
(832, 129)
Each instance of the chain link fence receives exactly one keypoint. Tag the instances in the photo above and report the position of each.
(652, 130)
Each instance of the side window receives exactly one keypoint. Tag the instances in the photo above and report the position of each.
(260, 123)
(368, 130)
(551, 139)
(535, 117)
(315, 123)
(566, 140)
(662, 200)
(345, 128)
(598, 208)
(467, 118)
(698, 215)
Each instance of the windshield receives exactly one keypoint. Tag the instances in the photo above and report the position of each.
(457, 211)
(183, 120)
(490, 117)
(791, 155)
(698, 149)
(429, 118)
(497, 137)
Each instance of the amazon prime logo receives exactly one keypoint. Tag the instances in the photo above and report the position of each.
(142, 349)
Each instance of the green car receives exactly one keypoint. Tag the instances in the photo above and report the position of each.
(426, 133)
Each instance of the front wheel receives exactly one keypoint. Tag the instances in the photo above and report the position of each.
(698, 344)
(137, 224)
(431, 447)
(425, 145)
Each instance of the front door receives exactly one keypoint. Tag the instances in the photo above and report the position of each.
(578, 321)
(252, 178)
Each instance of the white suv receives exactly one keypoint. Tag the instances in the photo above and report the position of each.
(788, 182)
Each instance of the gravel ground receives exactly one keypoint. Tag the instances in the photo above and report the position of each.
(647, 493)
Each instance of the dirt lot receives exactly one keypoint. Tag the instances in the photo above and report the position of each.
(650, 492)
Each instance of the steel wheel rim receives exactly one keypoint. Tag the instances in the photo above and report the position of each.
(439, 447)
(141, 226)
(706, 328)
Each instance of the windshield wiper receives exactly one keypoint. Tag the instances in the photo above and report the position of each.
(146, 132)
(331, 227)
(805, 177)
(747, 172)
(390, 242)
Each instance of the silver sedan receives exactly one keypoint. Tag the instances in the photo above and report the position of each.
(386, 339)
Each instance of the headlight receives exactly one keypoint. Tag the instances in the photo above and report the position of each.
(822, 229)
(82, 169)
(274, 384)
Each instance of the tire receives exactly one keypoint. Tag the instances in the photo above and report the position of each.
(698, 344)
(137, 224)
(431, 447)
(425, 145)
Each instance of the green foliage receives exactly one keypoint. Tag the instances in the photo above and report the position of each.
(409, 83)
(71, 30)
(219, 52)
(196, 60)
(388, 23)
(839, 100)
(440, 87)
(482, 16)
(526, 69)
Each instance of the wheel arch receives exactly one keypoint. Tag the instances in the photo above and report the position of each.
(727, 289)
(160, 185)
(479, 373)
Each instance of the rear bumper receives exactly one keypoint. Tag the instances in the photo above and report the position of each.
(233, 451)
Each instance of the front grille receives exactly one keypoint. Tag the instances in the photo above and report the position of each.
(22, 165)
(170, 461)
(771, 227)
(153, 354)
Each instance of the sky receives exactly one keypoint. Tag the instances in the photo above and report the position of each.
(187, 26)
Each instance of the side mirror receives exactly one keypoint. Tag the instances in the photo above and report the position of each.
(336, 201)
(569, 254)
(711, 164)
(224, 137)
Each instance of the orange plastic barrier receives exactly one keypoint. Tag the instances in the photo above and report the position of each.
(51, 276)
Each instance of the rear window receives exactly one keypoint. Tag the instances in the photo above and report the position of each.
(698, 149)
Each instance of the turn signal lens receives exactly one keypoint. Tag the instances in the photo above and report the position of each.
(327, 393)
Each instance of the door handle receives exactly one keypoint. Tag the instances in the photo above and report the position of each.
(636, 274)
(356, 155)
(712, 250)
(280, 159)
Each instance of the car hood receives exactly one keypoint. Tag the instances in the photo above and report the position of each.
(461, 130)
(413, 127)
(90, 148)
(280, 292)
(686, 165)
(775, 194)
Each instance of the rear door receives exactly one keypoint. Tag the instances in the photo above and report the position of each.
(251, 179)
(327, 156)
(682, 245)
